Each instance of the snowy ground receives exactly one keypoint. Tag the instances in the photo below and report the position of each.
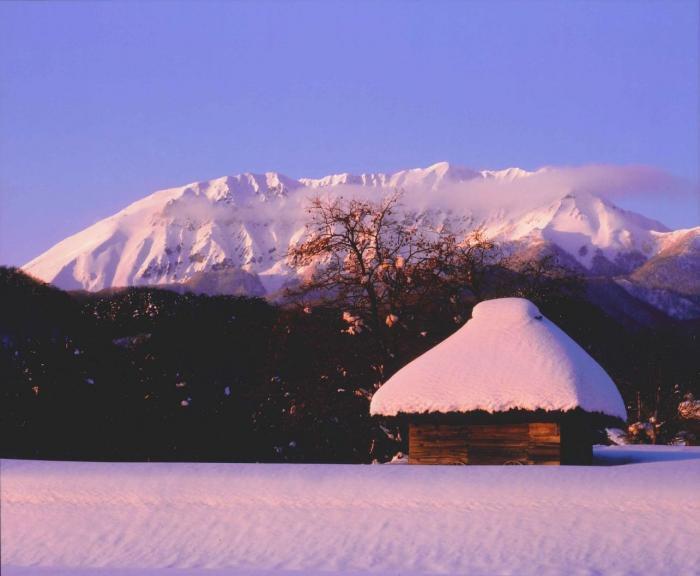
(212, 519)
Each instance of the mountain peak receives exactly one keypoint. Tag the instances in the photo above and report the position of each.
(451, 172)
(431, 176)
(507, 174)
(221, 224)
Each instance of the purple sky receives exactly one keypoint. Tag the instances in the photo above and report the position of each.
(102, 103)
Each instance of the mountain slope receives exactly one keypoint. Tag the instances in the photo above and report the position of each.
(200, 234)
(670, 280)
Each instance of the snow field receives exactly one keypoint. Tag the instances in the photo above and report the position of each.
(106, 519)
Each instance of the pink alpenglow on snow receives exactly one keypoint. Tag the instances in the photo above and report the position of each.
(178, 519)
(507, 357)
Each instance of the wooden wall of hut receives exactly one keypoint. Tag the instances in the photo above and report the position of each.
(502, 443)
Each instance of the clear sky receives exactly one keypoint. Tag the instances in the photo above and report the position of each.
(102, 103)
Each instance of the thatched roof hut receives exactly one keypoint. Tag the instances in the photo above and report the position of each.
(508, 387)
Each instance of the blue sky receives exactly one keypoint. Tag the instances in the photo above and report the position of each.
(102, 103)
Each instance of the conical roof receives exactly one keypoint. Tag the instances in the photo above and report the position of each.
(508, 356)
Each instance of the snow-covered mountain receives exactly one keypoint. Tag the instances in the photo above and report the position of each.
(231, 234)
(670, 280)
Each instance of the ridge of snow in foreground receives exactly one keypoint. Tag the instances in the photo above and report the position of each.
(111, 519)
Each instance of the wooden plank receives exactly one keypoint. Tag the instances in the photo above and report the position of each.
(544, 430)
(499, 443)
(545, 443)
(497, 431)
(437, 444)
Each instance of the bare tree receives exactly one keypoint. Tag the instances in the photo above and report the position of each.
(467, 258)
(378, 261)
(542, 279)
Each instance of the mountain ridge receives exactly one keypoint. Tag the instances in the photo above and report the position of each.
(248, 222)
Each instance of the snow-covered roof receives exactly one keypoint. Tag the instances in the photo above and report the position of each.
(508, 356)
